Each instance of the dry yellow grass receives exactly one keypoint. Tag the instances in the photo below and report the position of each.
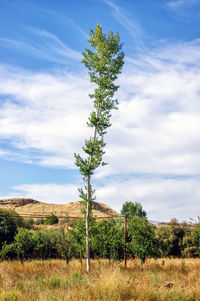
(174, 279)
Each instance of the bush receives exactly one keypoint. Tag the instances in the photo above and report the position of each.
(51, 220)
(45, 244)
(39, 221)
(8, 251)
(21, 248)
(8, 226)
(171, 239)
(28, 223)
(24, 243)
(191, 242)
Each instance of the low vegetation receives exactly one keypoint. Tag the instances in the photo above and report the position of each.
(20, 239)
(41, 264)
(163, 279)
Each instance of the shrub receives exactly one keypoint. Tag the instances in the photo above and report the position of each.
(51, 220)
(54, 282)
(65, 220)
(8, 226)
(24, 243)
(8, 251)
(28, 223)
(171, 239)
(45, 244)
(39, 221)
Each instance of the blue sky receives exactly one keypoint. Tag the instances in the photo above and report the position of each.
(153, 144)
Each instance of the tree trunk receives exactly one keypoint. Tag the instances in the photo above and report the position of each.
(87, 226)
(88, 202)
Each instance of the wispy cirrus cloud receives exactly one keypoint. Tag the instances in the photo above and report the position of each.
(44, 45)
(128, 22)
(182, 3)
(58, 17)
(183, 8)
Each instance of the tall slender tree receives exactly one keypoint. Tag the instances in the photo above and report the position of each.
(104, 61)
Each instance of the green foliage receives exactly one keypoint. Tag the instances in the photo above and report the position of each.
(55, 282)
(42, 244)
(65, 220)
(39, 221)
(8, 226)
(108, 239)
(191, 242)
(171, 239)
(8, 251)
(28, 223)
(195, 233)
(51, 220)
(52, 244)
(104, 63)
(142, 238)
(78, 237)
(24, 244)
(131, 209)
(174, 221)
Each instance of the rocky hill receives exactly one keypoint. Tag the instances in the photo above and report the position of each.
(34, 208)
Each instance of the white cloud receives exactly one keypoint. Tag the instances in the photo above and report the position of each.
(49, 113)
(49, 193)
(155, 132)
(161, 198)
(156, 129)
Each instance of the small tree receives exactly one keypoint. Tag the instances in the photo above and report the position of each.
(143, 242)
(108, 239)
(131, 209)
(104, 63)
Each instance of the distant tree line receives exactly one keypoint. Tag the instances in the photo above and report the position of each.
(22, 239)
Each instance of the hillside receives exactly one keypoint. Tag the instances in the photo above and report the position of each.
(34, 208)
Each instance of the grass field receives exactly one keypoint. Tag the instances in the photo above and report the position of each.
(163, 279)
